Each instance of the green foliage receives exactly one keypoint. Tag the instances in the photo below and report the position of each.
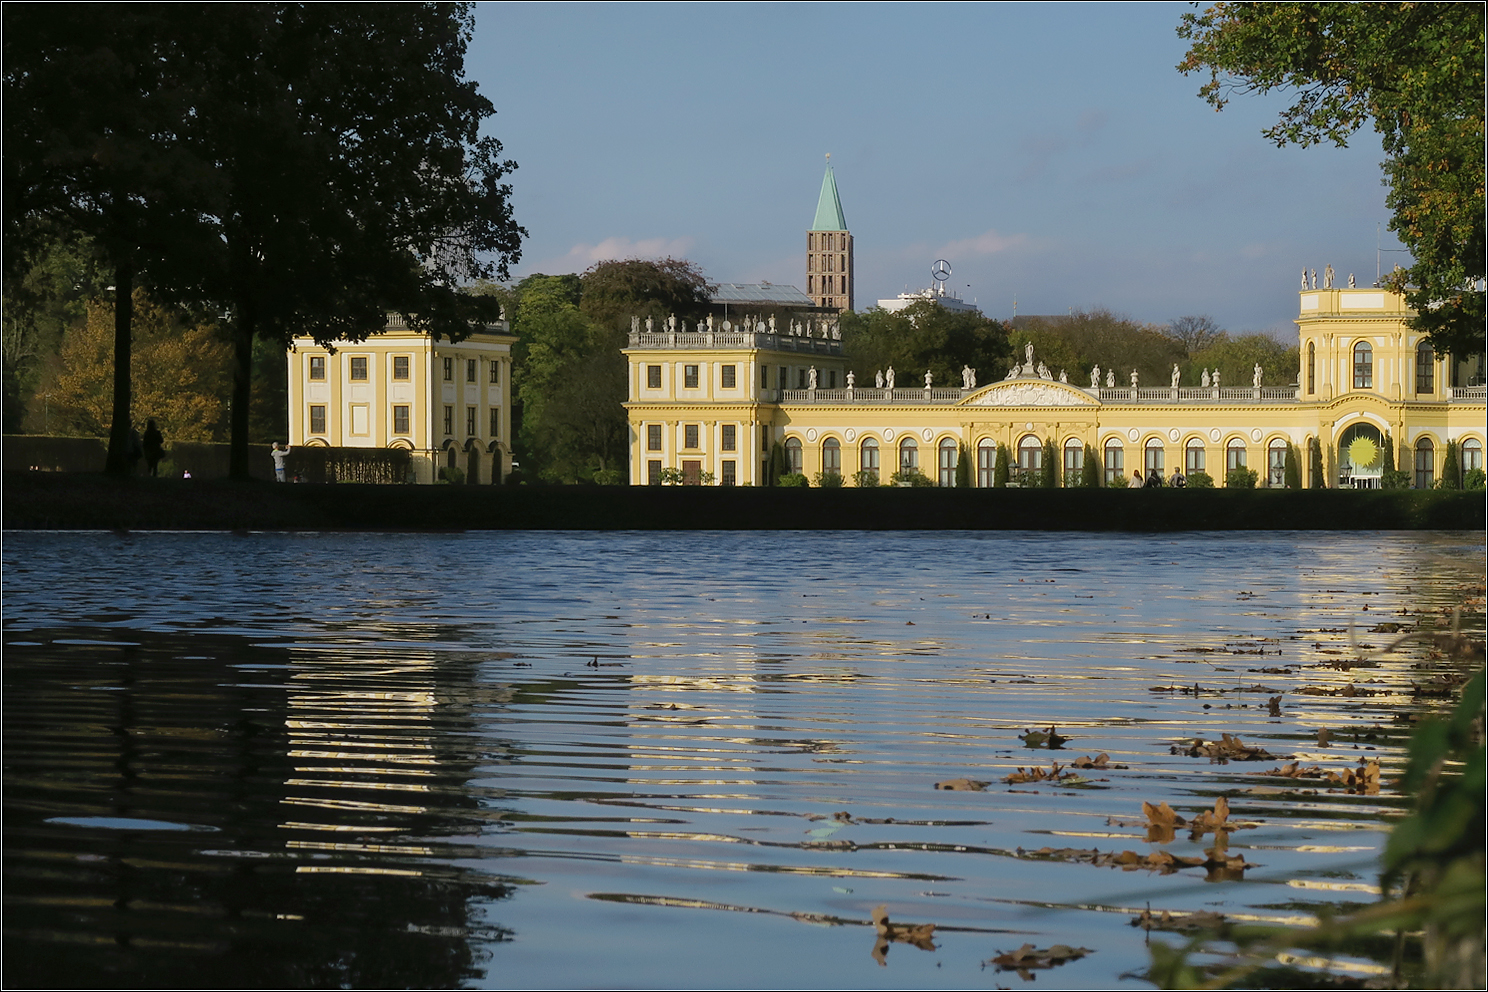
(793, 480)
(963, 466)
(614, 291)
(828, 480)
(1200, 480)
(1002, 468)
(1416, 71)
(1090, 470)
(1451, 470)
(924, 336)
(1292, 470)
(1241, 478)
(1389, 453)
(671, 477)
(1315, 461)
(1236, 358)
(912, 478)
(865, 479)
(609, 477)
(1049, 469)
(450, 475)
(775, 465)
(1119, 481)
(1474, 479)
(1395, 480)
(1099, 337)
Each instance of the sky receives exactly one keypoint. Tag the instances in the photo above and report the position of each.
(1051, 153)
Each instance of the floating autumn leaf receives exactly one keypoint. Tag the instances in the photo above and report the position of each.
(1364, 780)
(1275, 705)
(1100, 762)
(1324, 736)
(1161, 821)
(916, 934)
(1295, 770)
(1027, 958)
(961, 785)
(1132, 861)
(1033, 738)
(1216, 820)
(1182, 922)
(1227, 749)
(1220, 866)
(1036, 774)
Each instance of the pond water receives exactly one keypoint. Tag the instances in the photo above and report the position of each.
(678, 760)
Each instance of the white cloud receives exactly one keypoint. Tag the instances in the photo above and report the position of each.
(989, 243)
(581, 256)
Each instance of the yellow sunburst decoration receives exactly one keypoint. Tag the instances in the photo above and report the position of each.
(1363, 452)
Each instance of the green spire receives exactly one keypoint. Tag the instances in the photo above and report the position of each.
(829, 207)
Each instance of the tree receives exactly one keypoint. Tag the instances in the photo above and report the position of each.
(1002, 468)
(1196, 332)
(1236, 358)
(1315, 463)
(1416, 71)
(1090, 470)
(1451, 471)
(94, 102)
(963, 466)
(1099, 337)
(1292, 468)
(925, 337)
(1049, 467)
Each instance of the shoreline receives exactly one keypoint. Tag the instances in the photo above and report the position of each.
(79, 501)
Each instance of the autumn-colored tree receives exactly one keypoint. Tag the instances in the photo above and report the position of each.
(178, 376)
(1416, 71)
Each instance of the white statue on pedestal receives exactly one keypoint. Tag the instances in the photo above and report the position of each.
(927, 378)
(811, 377)
(1215, 378)
(1044, 373)
(1062, 376)
(850, 380)
(889, 378)
(1328, 277)
(1205, 379)
(1175, 376)
(1304, 277)
(635, 324)
(772, 323)
(1351, 280)
(1255, 379)
(672, 322)
(878, 379)
(710, 323)
(1110, 378)
(1095, 377)
(1134, 378)
(649, 324)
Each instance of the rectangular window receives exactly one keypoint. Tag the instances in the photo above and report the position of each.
(689, 377)
(690, 436)
(1425, 466)
(653, 437)
(800, 378)
(495, 373)
(449, 420)
(359, 368)
(653, 376)
(1425, 371)
(449, 370)
(317, 420)
(832, 379)
(317, 366)
(471, 365)
(495, 422)
(729, 476)
(730, 437)
(470, 421)
(784, 377)
(728, 376)
(764, 377)
(400, 420)
(653, 473)
(400, 366)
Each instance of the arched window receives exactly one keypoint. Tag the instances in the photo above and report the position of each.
(1115, 461)
(1154, 456)
(793, 455)
(1234, 455)
(1074, 461)
(1193, 456)
(1363, 366)
(946, 461)
(1472, 454)
(986, 463)
(1425, 463)
(909, 455)
(1276, 463)
(1311, 368)
(868, 456)
(1030, 454)
(831, 457)
(1425, 368)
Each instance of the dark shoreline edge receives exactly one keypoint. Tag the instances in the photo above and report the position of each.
(67, 501)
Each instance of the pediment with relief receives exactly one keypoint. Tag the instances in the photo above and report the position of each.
(1036, 392)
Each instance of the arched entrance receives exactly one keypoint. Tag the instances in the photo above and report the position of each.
(1361, 456)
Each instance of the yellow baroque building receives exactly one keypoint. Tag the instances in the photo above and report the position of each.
(709, 405)
(448, 403)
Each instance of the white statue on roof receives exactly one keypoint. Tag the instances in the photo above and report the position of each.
(889, 378)
(928, 378)
(1062, 376)
(710, 323)
(1095, 377)
(1043, 371)
(1175, 376)
(851, 379)
(1328, 277)
(1013, 372)
(878, 379)
(772, 323)
(811, 377)
(1215, 378)
(650, 324)
(1255, 379)
(1134, 378)
(1205, 379)
(635, 324)
(1110, 378)
(1351, 280)
(1304, 277)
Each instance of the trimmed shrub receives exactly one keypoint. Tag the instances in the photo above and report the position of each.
(1090, 471)
(793, 480)
(1001, 471)
(1315, 464)
(609, 477)
(1473, 479)
(963, 467)
(865, 479)
(828, 480)
(382, 466)
(1451, 473)
(1241, 478)
(1199, 480)
(1049, 470)
(1119, 481)
(913, 478)
(1292, 471)
(1391, 479)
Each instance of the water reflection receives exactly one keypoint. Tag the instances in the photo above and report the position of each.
(314, 760)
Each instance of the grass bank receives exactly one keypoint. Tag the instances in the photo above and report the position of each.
(72, 501)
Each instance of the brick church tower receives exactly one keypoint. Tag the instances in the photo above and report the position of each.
(829, 251)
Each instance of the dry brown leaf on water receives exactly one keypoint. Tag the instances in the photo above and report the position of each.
(1324, 736)
(1036, 774)
(1027, 958)
(1274, 703)
(1364, 780)
(1100, 762)
(1228, 748)
(962, 785)
(917, 934)
(1295, 770)
(1202, 920)
(1161, 821)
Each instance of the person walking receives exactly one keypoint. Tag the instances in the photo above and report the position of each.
(279, 454)
(154, 447)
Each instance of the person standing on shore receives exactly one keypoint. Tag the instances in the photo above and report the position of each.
(279, 454)
(154, 447)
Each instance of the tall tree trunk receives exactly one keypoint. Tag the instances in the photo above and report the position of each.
(242, 391)
(118, 462)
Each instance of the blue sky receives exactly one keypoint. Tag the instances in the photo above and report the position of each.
(1050, 152)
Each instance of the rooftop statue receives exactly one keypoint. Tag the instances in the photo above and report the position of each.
(772, 323)
(968, 377)
(928, 378)
(1134, 378)
(889, 378)
(672, 322)
(1255, 379)
(1328, 277)
(710, 323)
(1013, 372)
(851, 379)
(1304, 277)
(878, 379)
(811, 377)
(635, 324)
(1095, 377)
(649, 323)
(1216, 378)
(1062, 376)
(1110, 378)
(1043, 371)
(1351, 280)
(1205, 379)
(1175, 376)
